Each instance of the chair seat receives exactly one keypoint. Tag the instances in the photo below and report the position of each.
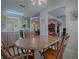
(50, 53)
(49, 56)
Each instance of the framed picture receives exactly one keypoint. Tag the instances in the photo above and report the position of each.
(74, 15)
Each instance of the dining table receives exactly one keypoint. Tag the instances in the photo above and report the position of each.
(37, 43)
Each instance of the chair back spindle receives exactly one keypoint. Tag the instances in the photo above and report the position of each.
(63, 46)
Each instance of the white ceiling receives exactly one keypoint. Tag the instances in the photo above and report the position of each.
(29, 9)
(59, 12)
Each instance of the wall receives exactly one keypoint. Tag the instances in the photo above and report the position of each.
(72, 26)
(63, 19)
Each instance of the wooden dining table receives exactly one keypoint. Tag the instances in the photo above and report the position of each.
(37, 43)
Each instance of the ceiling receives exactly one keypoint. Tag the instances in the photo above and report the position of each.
(27, 10)
(59, 12)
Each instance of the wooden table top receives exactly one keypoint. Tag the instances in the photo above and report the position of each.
(37, 42)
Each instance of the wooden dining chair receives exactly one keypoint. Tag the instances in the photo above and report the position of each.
(15, 52)
(12, 52)
(56, 54)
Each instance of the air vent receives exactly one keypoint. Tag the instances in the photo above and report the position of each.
(23, 6)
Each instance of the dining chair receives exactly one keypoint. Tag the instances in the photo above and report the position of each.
(7, 41)
(14, 52)
(56, 53)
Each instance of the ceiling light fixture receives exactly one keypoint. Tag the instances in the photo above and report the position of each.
(38, 2)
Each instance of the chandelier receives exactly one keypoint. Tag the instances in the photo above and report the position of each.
(38, 2)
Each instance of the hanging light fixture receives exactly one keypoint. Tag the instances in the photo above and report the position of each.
(38, 2)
